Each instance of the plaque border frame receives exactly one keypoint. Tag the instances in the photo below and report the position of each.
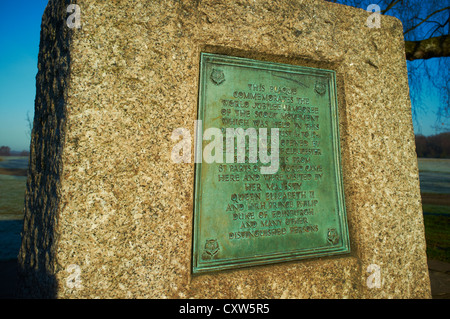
(285, 256)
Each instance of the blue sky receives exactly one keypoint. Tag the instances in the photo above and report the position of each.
(20, 23)
(19, 46)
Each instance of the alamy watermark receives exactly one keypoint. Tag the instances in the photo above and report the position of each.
(74, 20)
(74, 278)
(374, 20)
(374, 279)
(217, 152)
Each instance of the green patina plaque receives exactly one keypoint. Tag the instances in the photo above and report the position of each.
(268, 181)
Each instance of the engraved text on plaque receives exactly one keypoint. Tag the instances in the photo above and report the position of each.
(273, 191)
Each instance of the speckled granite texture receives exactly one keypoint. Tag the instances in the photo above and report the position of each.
(104, 195)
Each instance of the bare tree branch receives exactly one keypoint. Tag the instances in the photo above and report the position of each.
(439, 26)
(427, 25)
(390, 6)
(429, 16)
(29, 125)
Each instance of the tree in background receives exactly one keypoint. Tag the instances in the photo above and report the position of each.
(426, 29)
(5, 151)
(29, 125)
(435, 146)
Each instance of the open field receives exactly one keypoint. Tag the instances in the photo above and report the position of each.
(12, 186)
(435, 190)
(14, 162)
(441, 165)
(13, 171)
(436, 208)
(437, 234)
(12, 191)
(434, 175)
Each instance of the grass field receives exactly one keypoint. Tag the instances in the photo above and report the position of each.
(436, 218)
(440, 165)
(12, 191)
(435, 190)
(437, 237)
(12, 187)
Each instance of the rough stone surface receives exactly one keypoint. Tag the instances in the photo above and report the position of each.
(104, 195)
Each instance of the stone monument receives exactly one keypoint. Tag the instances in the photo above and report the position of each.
(209, 149)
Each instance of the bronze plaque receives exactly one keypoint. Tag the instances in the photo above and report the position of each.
(268, 181)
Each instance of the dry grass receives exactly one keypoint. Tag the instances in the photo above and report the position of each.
(13, 171)
(435, 199)
(12, 196)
